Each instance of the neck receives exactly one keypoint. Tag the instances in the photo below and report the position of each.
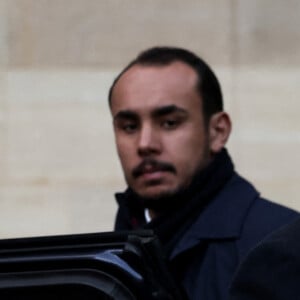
(153, 213)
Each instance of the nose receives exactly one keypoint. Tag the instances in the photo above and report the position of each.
(149, 141)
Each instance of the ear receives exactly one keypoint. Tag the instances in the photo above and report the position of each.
(219, 131)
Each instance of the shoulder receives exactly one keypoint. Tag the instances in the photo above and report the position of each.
(262, 211)
(269, 214)
(256, 212)
(262, 218)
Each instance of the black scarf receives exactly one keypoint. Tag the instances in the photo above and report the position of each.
(171, 224)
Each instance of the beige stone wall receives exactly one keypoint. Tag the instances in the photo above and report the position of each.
(58, 165)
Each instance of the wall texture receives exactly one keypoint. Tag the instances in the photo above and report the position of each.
(58, 166)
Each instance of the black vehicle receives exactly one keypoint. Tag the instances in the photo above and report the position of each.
(123, 266)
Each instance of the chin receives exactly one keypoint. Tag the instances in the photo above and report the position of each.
(157, 192)
(158, 200)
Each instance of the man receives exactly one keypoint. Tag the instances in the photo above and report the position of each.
(170, 131)
(272, 269)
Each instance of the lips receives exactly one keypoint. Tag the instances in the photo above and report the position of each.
(152, 169)
(150, 173)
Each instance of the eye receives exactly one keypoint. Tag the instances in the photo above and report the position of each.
(129, 127)
(170, 124)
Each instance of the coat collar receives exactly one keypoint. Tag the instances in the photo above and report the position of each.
(224, 216)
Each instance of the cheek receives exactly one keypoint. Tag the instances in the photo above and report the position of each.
(186, 143)
(125, 153)
(190, 153)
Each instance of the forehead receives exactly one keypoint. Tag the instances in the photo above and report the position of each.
(142, 87)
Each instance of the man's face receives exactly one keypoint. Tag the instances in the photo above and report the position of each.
(159, 128)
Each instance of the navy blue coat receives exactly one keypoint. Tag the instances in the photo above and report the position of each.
(272, 269)
(208, 254)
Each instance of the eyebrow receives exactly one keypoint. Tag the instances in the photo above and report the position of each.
(166, 110)
(158, 112)
(125, 114)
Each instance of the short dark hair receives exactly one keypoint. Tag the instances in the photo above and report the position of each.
(208, 85)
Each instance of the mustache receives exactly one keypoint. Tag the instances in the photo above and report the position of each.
(155, 166)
